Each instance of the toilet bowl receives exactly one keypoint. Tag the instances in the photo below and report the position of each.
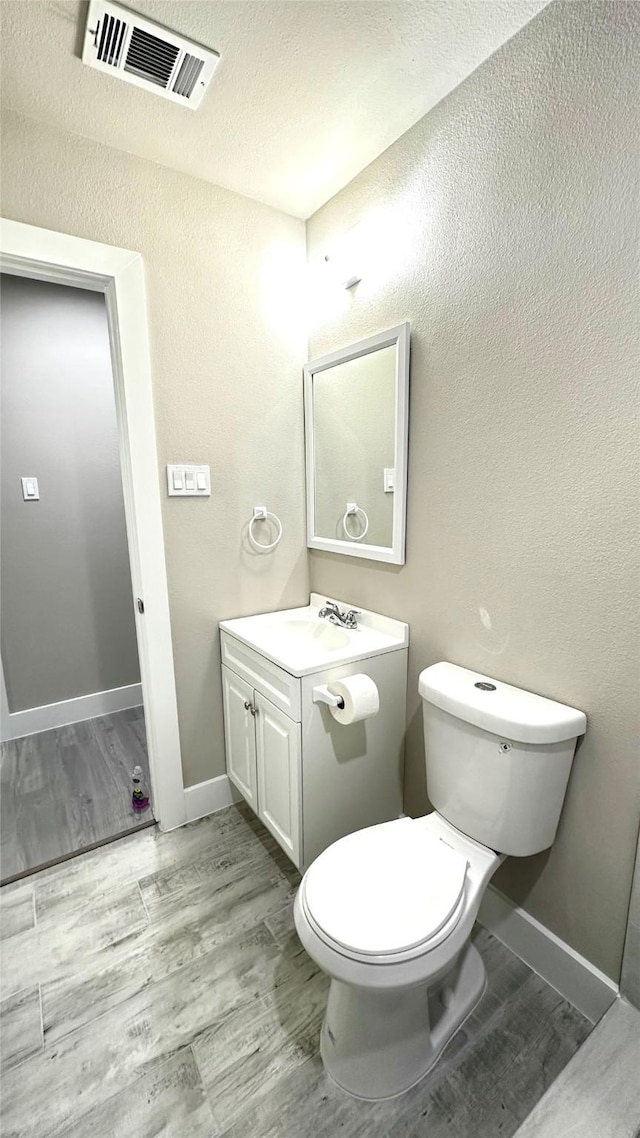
(387, 912)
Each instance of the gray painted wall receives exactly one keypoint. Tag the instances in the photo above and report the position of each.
(506, 231)
(66, 606)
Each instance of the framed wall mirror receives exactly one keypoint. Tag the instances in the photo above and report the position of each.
(356, 405)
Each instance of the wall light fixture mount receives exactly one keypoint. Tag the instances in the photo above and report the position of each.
(345, 258)
(346, 279)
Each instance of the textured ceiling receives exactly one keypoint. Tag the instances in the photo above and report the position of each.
(305, 96)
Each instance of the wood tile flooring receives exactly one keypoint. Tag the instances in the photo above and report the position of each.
(598, 1093)
(156, 987)
(68, 789)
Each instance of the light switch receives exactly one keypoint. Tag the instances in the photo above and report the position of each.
(30, 489)
(389, 479)
(184, 480)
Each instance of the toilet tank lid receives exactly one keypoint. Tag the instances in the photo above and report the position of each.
(493, 706)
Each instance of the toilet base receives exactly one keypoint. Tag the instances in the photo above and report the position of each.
(378, 1044)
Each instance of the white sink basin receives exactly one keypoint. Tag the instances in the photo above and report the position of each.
(302, 642)
(315, 633)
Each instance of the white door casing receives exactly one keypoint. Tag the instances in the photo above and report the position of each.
(28, 251)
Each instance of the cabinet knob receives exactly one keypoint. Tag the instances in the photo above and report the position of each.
(249, 707)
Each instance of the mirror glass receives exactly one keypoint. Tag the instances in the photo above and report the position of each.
(356, 431)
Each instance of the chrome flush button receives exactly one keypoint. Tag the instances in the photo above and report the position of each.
(484, 686)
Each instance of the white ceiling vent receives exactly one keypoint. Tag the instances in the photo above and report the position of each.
(144, 53)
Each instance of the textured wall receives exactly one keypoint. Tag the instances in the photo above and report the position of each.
(504, 226)
(227, 345)
(67, 610)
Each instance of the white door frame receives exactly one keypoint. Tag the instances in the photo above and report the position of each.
(28, 251)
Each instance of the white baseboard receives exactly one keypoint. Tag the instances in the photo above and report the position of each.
(207, 797)
(35, 719)
(579, 981)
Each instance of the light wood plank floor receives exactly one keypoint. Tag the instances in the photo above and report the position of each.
(598, 1093)
(156, 986)
(65, 790)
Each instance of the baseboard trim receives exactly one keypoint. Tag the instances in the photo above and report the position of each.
(579, 981)
(16, 724)
(208, 797)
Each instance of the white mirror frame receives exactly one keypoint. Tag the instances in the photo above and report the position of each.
(395, 553)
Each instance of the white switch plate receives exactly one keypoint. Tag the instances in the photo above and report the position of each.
(389, 479)
(30, 488)
(199, 479)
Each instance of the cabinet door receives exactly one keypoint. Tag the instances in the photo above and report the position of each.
(279, 750)
(240, 735)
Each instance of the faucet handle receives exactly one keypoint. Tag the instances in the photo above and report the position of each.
(351, 617)
(331, 611)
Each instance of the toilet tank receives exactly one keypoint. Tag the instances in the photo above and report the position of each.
(498, 758)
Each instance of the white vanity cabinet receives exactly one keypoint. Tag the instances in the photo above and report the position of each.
(263, 740)
(310, 779)
(264, 758)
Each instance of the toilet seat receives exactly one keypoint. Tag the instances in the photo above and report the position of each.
(386, 890)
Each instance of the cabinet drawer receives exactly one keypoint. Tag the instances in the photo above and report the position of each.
(277, 685)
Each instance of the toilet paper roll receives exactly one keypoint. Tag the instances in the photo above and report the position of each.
(360, 696)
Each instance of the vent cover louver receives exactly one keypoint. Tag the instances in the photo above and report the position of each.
(147, 55)
(190, 69)
(111, 40)
(150, 58)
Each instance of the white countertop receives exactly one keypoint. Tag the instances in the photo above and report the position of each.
(301, 642)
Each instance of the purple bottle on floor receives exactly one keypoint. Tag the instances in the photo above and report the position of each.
(139, 797)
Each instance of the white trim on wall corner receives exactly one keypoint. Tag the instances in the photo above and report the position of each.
(579, 981)
(35, 719)
(207, 797)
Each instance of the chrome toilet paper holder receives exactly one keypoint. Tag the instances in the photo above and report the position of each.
(321, 694)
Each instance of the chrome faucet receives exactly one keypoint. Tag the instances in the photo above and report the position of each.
(332, 613)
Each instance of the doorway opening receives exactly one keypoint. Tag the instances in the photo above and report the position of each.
(74, 733)
(90, 744)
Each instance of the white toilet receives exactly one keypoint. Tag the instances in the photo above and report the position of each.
(388, 911)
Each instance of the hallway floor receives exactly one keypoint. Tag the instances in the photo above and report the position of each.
(157, 987)
(68, 789)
